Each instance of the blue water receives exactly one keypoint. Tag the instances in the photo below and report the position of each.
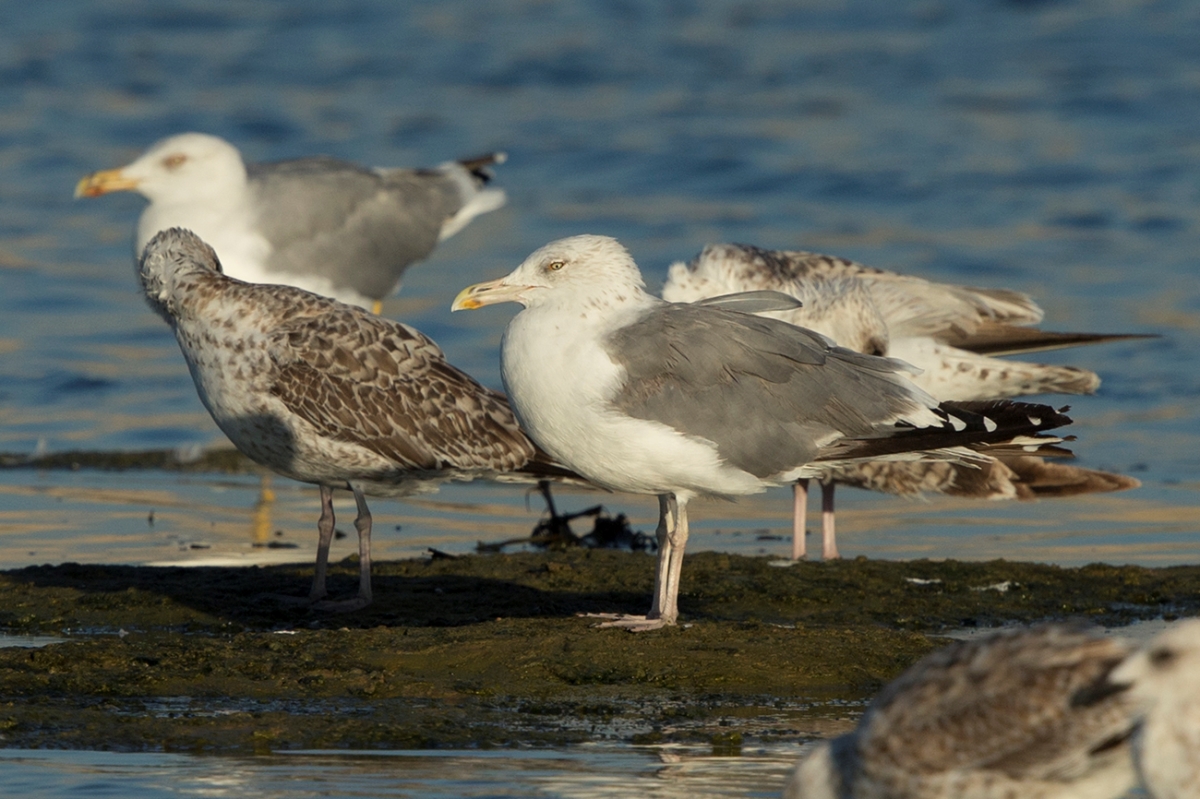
(1049, 146)
(584, 772)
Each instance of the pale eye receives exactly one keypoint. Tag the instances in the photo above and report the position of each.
(554, 266)
(175, 161)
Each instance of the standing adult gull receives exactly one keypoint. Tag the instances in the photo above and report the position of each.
(679, 400)
(951, 333)
(321, 224)
(326, 393)
(1028, 713)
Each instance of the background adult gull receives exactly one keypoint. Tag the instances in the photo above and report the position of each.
(329, 226)
(326, 393)
(680, 400)
(951, 333)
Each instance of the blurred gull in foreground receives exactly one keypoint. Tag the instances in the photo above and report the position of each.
(327, 393)
(1019, 714)
(328, 226)
(1165, 680)
(951, 333)
(684, 400)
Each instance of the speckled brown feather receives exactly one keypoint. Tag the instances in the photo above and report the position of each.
(1024, 704)
(385, 386)
(1021, 714)
(325, 392)
(1003, 476)
(910, 304)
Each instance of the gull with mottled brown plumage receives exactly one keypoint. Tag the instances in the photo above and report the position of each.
(1019, 714)
(326, 393)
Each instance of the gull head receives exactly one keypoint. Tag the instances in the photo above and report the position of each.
(1168, 667)
(169, 255)
(180, 168)
(583, 269)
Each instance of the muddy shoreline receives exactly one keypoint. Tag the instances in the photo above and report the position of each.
(489, 650)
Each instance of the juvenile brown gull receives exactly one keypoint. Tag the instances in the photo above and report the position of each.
(682, 400)
(1019, 714)
(1164, 679)
(326, 393)
(948, 332)
(328, 226)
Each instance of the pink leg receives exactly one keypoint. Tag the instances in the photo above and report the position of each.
(672, 539)
(799, 519)
(828, 532)
(362, 523)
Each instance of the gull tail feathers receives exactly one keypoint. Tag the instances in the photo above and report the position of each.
(542, 467)
(1033, 477)
(1008, 476)
(479, 166)
(472, 176)
(956, 374)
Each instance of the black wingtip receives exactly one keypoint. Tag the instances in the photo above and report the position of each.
(968, 424)
(1008, 417)
(479, 165)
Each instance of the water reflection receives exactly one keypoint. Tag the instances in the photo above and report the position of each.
(577, 773)
(202, 519)
(28, 641)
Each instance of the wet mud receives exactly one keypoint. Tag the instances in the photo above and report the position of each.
(490, 650)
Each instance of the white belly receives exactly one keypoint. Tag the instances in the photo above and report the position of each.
(561, 382)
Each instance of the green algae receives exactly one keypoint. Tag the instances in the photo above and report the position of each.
(491, 651)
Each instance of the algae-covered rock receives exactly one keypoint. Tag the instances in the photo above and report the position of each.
(490, 650)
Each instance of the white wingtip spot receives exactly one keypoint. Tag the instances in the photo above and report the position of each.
(958, 424)
(989, 425)
(1035, 420)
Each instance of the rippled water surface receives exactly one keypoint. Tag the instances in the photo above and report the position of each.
(579, 773)
(1050, 147)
